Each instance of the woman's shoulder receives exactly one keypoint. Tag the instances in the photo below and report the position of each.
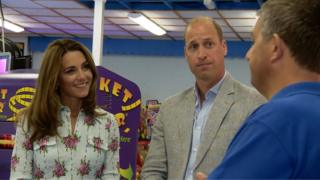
(106, 119)
(104, 115)
(22, 120)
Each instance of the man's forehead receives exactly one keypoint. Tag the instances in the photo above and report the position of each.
(256, 28)
(199, 40)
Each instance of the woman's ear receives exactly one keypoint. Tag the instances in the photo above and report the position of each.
(57, 86)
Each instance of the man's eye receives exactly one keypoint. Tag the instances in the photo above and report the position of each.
(208, 44)
(192, 47)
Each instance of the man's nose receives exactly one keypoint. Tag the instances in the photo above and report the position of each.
(248, 54)
(202, 54)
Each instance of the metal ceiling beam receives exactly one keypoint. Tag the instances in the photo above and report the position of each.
(260, 2)
(230, 5)
(176, 4)
(167, 4)
(126, 5)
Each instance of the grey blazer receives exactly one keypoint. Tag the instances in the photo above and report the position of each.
(169, 149)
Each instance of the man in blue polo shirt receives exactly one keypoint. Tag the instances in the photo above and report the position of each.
(280, 139)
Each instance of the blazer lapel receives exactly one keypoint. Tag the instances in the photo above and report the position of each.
(184, 116)
(222, 104)
(186, 122)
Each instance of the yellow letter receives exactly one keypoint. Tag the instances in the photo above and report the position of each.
(116, 88)
(104, 84)
(1, 107)
(127, 95)
(4, 93)
(120, 119)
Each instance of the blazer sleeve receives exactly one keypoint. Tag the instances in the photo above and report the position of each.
(155, 165)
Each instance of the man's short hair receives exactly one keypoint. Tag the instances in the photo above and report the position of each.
(298, 25)
(205, 19)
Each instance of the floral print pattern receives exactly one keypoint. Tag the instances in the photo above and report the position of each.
(99, 172)
(38, 173)
(82, 155)
(113, 146)
(89, 121)
(84, 167)
(71, 141)
(14, 162)
(43, 144)
(97, 144)
(59, 169)
(27, 144)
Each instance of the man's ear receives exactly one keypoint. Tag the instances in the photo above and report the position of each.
(277, 48)
(225, 47)
(185, 51)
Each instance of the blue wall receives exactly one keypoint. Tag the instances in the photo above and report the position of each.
(140, 47)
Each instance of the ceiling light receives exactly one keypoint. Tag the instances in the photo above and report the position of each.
(209, 4)
(146, 23)
(12, 27)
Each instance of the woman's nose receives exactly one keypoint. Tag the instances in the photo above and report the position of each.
(81, 74)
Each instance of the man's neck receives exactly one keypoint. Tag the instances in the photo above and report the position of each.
(287, 78)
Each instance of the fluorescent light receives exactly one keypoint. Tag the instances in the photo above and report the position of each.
(11, 27)
(146, 23)
(209, 4)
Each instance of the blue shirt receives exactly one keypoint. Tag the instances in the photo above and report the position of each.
(200, 118)
(280, 140)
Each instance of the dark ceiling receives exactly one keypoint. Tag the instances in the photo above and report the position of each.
(176, 4)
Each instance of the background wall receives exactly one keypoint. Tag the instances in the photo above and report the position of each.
(159, 77)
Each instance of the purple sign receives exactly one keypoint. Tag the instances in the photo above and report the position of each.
(122, 98)
(114, 94)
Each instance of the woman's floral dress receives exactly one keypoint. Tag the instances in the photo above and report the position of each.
(91, 152)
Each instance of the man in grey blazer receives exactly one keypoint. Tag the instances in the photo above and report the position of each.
(194, 127)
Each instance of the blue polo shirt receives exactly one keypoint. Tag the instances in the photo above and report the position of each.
(281, 139)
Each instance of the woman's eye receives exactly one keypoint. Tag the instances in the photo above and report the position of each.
(86, 67)
(69, 71)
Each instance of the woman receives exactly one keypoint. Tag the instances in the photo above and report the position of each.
(63, 134)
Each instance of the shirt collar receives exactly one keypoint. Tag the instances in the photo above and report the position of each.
(297, 88)
(212, 91)
(82, 114)
(65, 109)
